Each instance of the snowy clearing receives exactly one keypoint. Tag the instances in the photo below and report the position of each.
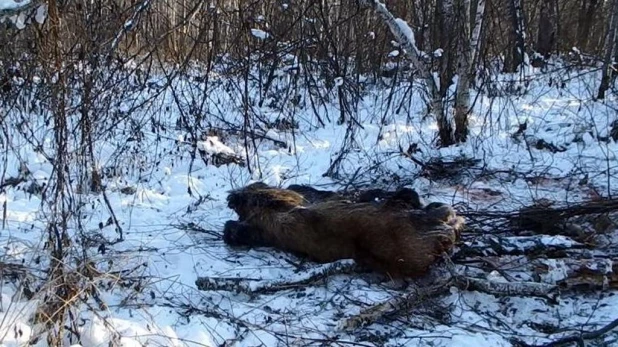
(172, 211)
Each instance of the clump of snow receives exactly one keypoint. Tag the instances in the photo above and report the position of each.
(12, 4)
(406, 30)
(212, 145)
(41, 13)
(393, 54)
(260, 34)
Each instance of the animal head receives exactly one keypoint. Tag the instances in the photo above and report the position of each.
(258, 197)
(446, 214)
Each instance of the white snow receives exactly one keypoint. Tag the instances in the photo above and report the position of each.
(41, 13)
(393, 54)
(170, 311)
(12, 4)
(406, 30)
(260, 34)
(212, 145)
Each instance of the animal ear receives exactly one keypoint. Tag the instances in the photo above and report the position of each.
(371, 195)
(440, 211)
(435, 205)
(408, 196)
(258, 185)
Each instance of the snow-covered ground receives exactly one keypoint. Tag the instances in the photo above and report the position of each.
(172, 237)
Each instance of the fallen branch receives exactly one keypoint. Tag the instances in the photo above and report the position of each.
(396, 304)
(539, 217)
(409, 300)
(519, 245)
(12, 182)
(581, 337)
(251, 288)
(505, 288)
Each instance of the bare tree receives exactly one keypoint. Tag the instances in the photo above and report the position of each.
(405, 35)
(467, 48)
(546, 37)
(516, 57)
(459, 46)
(610, 37)
(586, 16)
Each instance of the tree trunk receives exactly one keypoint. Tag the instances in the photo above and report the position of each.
(445, 37)
(610, 37)
(518, 37)
(546, 38)
(462, 99)
(586, 18)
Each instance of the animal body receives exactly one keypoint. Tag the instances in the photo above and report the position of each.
(259, 198)
(402, 197)
(401, 242)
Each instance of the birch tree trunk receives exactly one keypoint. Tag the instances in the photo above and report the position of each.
(610, 37)
(476, 31)
(462, 98)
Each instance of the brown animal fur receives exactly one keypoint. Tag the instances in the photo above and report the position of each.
(258, 197)
(313, 195)
(400, 242)
(404, 197)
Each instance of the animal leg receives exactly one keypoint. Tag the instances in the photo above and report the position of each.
(242, 234)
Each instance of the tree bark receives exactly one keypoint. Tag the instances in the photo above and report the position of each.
(610, 37)
(586, 17)
(518, 41)
(462, 99)
(546, 38)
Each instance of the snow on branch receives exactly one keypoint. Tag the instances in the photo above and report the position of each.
(130, 23)
(420, 60)
(251, 288)
(405, 35)
(12, 7)
(21, 13)
(399, 27)
(497, 288)
(417, 294)
(580, 338)
(412, 298)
